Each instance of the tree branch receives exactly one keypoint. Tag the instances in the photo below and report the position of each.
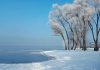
(91, 27)
(94, 20)
(98, 31)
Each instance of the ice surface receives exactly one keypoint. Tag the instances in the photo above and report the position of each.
(64, 60)
(22, 57)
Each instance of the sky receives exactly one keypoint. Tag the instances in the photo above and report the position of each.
(25, 23)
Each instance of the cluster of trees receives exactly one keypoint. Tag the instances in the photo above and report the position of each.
(73, 21)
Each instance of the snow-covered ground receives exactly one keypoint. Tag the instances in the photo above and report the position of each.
(57, 60)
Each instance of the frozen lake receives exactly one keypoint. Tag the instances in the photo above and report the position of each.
(23, 57)
(50, 60)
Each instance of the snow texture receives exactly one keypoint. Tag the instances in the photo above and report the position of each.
(63, 60)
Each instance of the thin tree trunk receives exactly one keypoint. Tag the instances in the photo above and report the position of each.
(84, 35)
(65, 45)
(84, 43)
(96, 48)
(75, 46)
(71, 31)
(65, 31)
(66, 35)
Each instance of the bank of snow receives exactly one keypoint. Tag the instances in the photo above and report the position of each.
(62, 60)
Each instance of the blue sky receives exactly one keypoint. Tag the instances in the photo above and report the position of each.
(25, 22)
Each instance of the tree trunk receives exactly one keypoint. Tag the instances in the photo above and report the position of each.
(96, 48)
(65, 45)
(75, 46)
(84, 44)
(73, 41)
(67, 39)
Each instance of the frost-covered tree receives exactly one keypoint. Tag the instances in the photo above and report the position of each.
(82, 19)
(90, 13)
(66, 9)
(76, 18)
(95, 21)
(56, 16)
(58, 30)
